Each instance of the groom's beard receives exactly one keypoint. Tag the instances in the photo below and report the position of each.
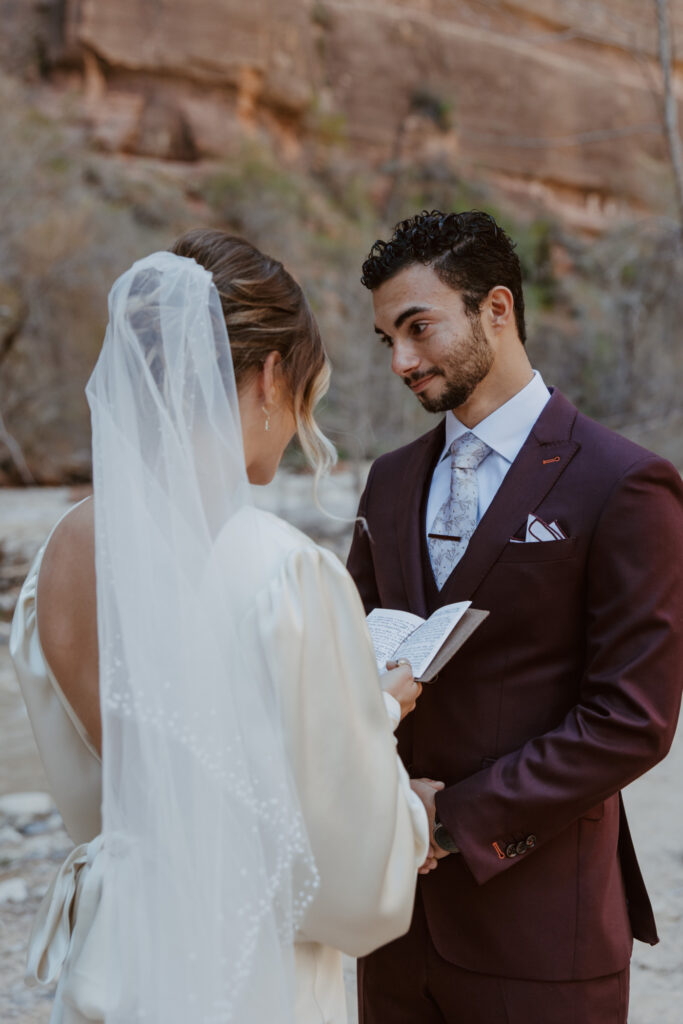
(461, 373)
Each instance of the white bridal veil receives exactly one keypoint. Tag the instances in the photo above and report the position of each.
(208, 867)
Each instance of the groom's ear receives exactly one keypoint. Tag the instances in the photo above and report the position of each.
(501, 307)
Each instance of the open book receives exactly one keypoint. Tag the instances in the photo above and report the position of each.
(428, 644)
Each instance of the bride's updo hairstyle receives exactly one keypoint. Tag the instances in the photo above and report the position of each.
(265, 310)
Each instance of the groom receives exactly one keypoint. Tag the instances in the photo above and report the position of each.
(572, 538)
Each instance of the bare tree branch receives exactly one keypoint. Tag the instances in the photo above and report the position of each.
(606, 17)
(673, 134)
(16, 454)
(564, 141)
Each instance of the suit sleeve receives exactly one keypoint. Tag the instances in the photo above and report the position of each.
(625, 719)
(367, 829)
(360, 562)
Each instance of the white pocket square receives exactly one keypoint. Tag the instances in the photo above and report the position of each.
(538, 530)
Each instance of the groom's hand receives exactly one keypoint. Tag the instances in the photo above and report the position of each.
(427, 789)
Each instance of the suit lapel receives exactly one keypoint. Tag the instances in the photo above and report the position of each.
(541, 462)
(415, 477)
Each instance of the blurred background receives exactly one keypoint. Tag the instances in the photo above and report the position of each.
(311, 127)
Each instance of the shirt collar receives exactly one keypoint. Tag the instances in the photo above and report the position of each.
(506, 429)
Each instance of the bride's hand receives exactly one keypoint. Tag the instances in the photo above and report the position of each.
(400, 684)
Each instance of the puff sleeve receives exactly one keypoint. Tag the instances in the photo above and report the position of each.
(367, 829)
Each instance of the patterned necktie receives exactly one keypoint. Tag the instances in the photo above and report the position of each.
(457, 517)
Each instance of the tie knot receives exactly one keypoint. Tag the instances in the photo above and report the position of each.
(468, 452)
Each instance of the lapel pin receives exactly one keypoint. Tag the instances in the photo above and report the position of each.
(546, 462)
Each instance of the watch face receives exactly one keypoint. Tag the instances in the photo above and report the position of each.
(444, 839)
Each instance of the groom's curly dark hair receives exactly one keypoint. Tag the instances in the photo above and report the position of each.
(468, 251)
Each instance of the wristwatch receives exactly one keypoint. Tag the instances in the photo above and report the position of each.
(443, 838)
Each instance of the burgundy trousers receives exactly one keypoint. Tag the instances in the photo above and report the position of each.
(408, 982)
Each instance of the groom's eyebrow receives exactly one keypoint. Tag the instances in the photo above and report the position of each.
(410, 311)
(402, 317)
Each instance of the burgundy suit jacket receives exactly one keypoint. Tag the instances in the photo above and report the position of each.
(569, 691)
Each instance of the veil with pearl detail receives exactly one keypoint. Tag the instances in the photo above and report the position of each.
(207, 865)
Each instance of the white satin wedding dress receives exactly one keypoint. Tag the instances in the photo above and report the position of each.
(367, 830)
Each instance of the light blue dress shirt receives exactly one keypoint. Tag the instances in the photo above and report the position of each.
(504, 431)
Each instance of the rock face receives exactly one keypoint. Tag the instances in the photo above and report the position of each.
(551, 99)
(311, 126)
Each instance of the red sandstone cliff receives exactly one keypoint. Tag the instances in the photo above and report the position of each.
(554, 99)
(310, 126)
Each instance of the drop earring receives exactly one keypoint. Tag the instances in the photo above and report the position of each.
(267, 415)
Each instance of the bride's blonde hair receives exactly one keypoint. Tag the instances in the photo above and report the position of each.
(265, 310)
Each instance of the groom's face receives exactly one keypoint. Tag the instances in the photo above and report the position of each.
(440, 352)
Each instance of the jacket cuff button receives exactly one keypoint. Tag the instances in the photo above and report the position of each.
(511, 850)
(531, 842)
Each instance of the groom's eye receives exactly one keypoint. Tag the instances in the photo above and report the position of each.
(418, 328)
(386, 340)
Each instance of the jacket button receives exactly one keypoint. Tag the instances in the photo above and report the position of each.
(531, 842)
(521, 847)
(511, 850)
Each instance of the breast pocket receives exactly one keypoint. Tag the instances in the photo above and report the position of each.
(540, 551)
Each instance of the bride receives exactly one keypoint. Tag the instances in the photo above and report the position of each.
(231, 781)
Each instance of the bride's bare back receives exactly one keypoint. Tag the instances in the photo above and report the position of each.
(67, 615)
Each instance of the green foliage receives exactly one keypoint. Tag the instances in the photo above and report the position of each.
(439, 187)
(327, 127)
(59, 164)
(254, 179)
(433, 106)
(321, 15)
(628, 274)
(534, 244)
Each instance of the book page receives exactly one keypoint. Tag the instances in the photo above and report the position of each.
(471, 621)
(388, 629)
(422, 644)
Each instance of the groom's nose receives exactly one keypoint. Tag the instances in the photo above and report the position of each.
(404, 357)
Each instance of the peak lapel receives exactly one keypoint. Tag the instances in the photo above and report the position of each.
(409, 515)
(545, 455)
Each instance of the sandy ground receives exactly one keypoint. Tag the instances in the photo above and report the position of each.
(33, 843)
